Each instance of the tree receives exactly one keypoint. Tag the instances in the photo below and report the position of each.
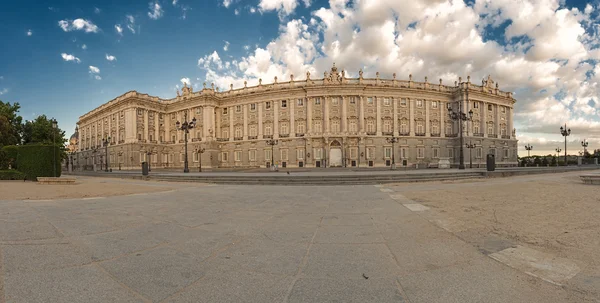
(10, 124)
(545, 161)
(41, 131)
(553, 162)
(537, 161)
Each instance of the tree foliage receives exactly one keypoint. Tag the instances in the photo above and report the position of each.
(10, 124)
(41, 131)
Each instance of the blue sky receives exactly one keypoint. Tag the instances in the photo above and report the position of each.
(265, 38)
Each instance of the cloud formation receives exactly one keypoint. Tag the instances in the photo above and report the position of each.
(78, 24)
(545, 53)
(68, 57)
(119, 29)
(94, 70)
(110, 58)
(29, 33)
(226, 46)
(185, 81)
(131, 23)
(156, 10)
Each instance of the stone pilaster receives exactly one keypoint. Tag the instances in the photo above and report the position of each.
(411, 116)
(442, 107)
(292, 108)
(427, 122)
(260, 123)
(395, 126)
(344, 126)
(245, 131)
(378, 101)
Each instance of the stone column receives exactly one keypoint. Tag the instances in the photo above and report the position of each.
(442, 107)
(118, 133)
(217, 126)
(484, 120)
(378, 115)
(497, 122)
(260, 124)
(231, 134)
(361, 114)
(145, 137)
(344, 126)
(326, 115)
(395, 126)
(130, 125)
(509, 125)
(427, 122)
(245, 131)
(276, 120)
(292, 118)
(411, 116)
(309, 116)
(156, 127)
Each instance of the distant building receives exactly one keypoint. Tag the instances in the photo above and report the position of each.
(330, 122)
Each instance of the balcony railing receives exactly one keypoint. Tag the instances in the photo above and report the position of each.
(267, 136)
(181, 141)
(492, 136)
(284, 135)
(252, 137)
(196, 139)
(121, 141)
(170, 142)
(505, 137)
(451, 135)
(387, 133)
(238, 138)
(435, 135)
(371, 133)
(153, 141)
(404, 133)
(299, 134)
(420, 134)
(141, 141)
(478, 134)
(222, 139)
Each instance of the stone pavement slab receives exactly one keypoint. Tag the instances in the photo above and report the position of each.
(380, 290)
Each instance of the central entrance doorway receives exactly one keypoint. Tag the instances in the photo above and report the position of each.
(335, 154)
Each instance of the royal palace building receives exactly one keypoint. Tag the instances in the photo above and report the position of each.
(330, 122)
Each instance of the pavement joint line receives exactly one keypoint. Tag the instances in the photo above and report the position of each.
(416, 206)
(386, 190)
(123, 285)
(41, 200)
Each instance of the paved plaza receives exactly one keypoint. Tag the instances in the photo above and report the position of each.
(227, 243)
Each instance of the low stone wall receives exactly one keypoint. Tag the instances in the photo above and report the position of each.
(52, 180)
(591, 179)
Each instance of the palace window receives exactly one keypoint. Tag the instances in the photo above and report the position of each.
(492, 151)
(403, 127)
(353, 126)
(173, 116)
(386, 101)
(503, 109)
(353, 152)
(435, 129)
(284, 155)
(420, 152)
(300, 102)
(252, 130)
(370, 126)
(403, 153)
(318, 153)
(317, 101)
(283, 103)
(238, 108)
(403, 102)
(225, 133)
(238, 155)
(252, 155)
(225, 111)
(506, 153)
(476, 129)
(352, 100)
(479, 153)
(434, 104)
(268, 155)
(198, 110)
(196, 156)
(420, 128)
(449, 129)
(489, 107)
(238, 131)
(387, 152)
(268, 130)
(268, 105)
(317, 126)
(300, 153)
(490, 129)
(370, 153)
(370, 100)
(181, 157)
(450, 152)
(252, 106)
(419, 103)
(284, 128)
(139, 138)
(224, 156)
(140, 112)
(173, 138)
(475, 104)
(503, 131)
(436, 152)
(387, 126)
(334, 100)
(300, 128)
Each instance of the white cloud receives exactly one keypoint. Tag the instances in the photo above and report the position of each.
(156, 10)
(3, 91)
(78, 24)
(236, 11)
(226, 46)
(94, 70)
(110, 58)
(29, 33)
(119, 29)
(227, 3)
(174, 2)
(547, 55)
(185, 81)
(84, 46)
(131, 23)
(252, 10)
(53, 9)
(97, 10)
(68, 57)
(97, 77)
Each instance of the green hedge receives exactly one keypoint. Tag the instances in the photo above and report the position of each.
(12, 175)
(39, 161)
(10, 154)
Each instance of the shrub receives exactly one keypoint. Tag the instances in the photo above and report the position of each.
(12, 175)
(39, 160)
(11, 152)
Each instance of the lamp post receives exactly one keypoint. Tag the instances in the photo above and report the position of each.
(584, 143)
(460, 116)
(149, 154)
(393, 140)
(200, 152)
(565, 133)
(120, 153)
(558, 150)
(470, 146)
(54, 127)
(106, 142)
(272, 143)
(528, 148)
(185, 127)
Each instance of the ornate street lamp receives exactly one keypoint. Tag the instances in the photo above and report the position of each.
(460, 116)
(272, 143)
(528, 148)
(565, 133)
(470, 147)
(584, 143)
(54, 127)
(393, 140)
(105, 143)
(558, 150)
(185, 127)
(200, 152)
(149, 154)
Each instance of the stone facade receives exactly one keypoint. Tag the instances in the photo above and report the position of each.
(330, 122)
